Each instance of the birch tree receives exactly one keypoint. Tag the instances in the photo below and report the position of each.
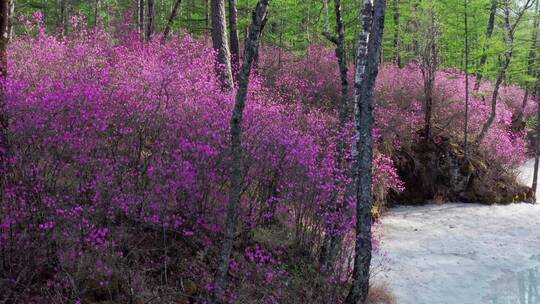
(170, 21)
(366, 73)
(489, 34)
(466, 127)
(140, 19)
(333, 245)
(397, 34)
(537, 141)
(221, 45)
(236, 178)
(510, 30)
(233, 33)
(4, 119)
(150, 19)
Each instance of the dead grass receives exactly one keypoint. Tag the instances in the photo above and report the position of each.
(381, 294)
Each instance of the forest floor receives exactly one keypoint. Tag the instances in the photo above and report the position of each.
(462, 253)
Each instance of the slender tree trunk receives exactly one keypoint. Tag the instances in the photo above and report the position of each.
(97, 14)
(233, 34)
(170, 22)
(510, 31)
(330, 253)
(4, 28)
(63, 17)
(494, 97)
(429, 71)
(4, 120)
(466, 131)
(489, 33)
(11, 20)
(397, 34)
(150, 20)
(250, 49)
(221, 45)
(363, 98)
(532, 59)
(537, 141)
(140, 20)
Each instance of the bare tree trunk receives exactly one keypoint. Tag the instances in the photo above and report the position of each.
(233, 33)
(11, 20)
(532, 59)
(510, 31)
(173, 15)
(221, 45)
(466, 131)
(140, 19)
(4, 28)
(489, 33)
(537, 141)
(63, 17)
(250, 49)
(150, 20)
(429, 70)
(330, 253)
(397, 34)
(363, 98)
(97, 14)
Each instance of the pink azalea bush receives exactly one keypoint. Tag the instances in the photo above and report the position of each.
(313, 80)
(117, 154)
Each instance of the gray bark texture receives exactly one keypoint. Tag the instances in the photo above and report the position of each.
(233, 33)
(331, 249)
(221, 44)
(250, 50)
(489, 33)
(537, 141)
(363, 99)
(397, 34)
(170, 21)
(4, 39)
(150, 19)
(466, 128)
(11, 20)
(97, 14)
(510, 29)
(140, 19)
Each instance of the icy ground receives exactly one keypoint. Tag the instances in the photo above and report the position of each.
(462, 253)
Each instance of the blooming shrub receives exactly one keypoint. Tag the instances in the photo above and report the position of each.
(118, 153)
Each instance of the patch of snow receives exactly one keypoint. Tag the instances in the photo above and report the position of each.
(456, 253)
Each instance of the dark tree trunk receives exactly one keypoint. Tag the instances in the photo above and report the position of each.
(429, 70)
(510, 31)
(63, 17)
(489, 33)
(397, 34)
(4, 16)
(221, 44)
(466, 131)
(333, 246)
(363, 98)
(537, 141)
(250, 49)
(4, 28)
(150, 20)
(170, 22)
(233, 33)
(11, 20)
(97, 14)
(140, 18)
(532, 59)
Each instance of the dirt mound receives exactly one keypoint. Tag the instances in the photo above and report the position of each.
(436, 171)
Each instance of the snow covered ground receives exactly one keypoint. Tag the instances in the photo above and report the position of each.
(462, 253)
